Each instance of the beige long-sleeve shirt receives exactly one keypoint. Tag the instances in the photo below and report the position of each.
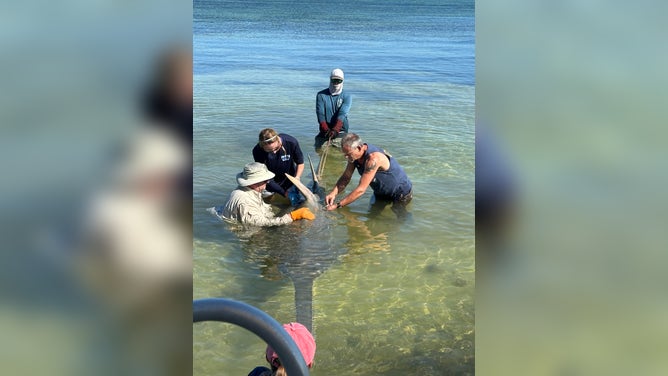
(246, 206)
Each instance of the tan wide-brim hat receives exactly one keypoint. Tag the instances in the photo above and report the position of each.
(254, 173)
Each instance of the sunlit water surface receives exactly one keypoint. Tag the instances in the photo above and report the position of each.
(388, 296)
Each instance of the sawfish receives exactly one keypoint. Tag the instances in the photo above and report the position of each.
(302, 251)
(312, 201)
(317, 237)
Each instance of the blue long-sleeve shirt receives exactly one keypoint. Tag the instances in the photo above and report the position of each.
(330, 108)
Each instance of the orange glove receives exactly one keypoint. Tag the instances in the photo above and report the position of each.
(302, 213)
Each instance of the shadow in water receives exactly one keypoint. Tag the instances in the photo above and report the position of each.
(368, 232)
(302, 251)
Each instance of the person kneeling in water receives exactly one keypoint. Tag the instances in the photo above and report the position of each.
(246, 205)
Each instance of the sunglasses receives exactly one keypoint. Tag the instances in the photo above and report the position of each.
(335, 81)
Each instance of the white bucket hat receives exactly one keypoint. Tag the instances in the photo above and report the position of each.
(254, 173)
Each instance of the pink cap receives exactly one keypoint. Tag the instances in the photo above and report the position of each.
(302, 338)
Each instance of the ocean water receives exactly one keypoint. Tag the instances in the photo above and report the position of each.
(388, 295)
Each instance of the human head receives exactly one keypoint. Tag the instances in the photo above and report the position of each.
(351, 146)
(336, 81)
(337, 74)
(254, 173)
(269, 140)
(304, 340)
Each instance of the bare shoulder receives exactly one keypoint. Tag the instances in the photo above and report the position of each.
(377, 160)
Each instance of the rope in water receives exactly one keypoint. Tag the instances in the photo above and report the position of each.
(323, 158)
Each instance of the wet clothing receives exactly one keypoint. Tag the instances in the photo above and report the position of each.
(336, 141)
(285, 160)
(391, 184)
(260, 371)
(330, 108)
(246, 206)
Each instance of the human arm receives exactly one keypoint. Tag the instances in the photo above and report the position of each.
(259, 155)
(341, 114)
(293, 166)
(375, 162)
(343, 110)
(247, 206)
(272, 186)
(295, 215)
(300, 171)
(320, 113)
(298, 158)
(340, 186)
(250, 209)
(336, 129)
(323, 127)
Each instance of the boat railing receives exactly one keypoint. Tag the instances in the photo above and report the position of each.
(258, 322)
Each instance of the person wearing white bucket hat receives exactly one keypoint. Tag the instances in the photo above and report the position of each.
(246, 205)
(332, 106)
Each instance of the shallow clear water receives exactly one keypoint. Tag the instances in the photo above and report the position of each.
(389, 296)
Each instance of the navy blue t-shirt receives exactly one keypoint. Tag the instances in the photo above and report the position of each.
(260, 371)
(285, 160)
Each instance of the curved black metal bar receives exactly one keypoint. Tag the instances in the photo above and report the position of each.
(256, 321)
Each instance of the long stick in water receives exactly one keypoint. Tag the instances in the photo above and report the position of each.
(323, 158)
(315, 178)
(316, 183)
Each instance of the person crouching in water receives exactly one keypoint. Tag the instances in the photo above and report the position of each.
(246, 205)
(332, 106)
(282, 155)
(304, 340)
(378, 170)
